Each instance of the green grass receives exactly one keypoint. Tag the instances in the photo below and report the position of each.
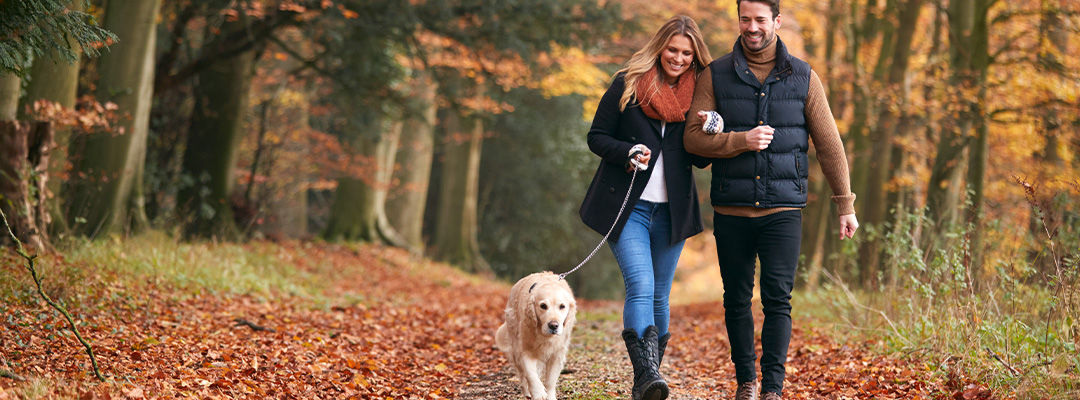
(1005, 323)
(155, 260)
(1007, 338)
(595, 391)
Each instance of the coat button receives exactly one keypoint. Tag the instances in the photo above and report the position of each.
(762, 94)
(757, 177)
(611, 189)
(761, 122)
(757, 203)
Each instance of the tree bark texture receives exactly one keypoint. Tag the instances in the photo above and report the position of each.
(352, 214)
(221, 98)
(24, 165)
(455, 239)
(814, 229)
(56, 80)
(414, 156)
(892, 68)
(968, 62)
(108, 166)
(359, 207)
(9, 96)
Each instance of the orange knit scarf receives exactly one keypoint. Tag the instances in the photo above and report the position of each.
(662, 102)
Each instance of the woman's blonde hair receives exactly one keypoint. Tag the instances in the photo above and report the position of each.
(649, 56)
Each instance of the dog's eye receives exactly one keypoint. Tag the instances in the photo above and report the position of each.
(543, 306)
(562, 306)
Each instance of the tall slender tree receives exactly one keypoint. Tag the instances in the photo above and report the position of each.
(968, 63)
(893, 69)
(55, 79)
(110, 165)
(406, 208)
(455, 233)
(221, 98)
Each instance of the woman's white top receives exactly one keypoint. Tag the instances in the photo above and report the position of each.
(656, 189)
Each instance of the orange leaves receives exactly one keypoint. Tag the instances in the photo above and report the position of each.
(169, 348)
(88, 115)
(817, 367)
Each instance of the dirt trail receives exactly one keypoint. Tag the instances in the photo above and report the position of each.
(404, 328)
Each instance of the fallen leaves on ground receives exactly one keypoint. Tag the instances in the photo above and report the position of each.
(406, 328)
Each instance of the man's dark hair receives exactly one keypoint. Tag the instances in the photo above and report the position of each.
(774, 5)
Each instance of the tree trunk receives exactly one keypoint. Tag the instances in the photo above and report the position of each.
(359, 207)
(862, 31)
(1053, 35)
(112, 164)
(221, 98)
(24, 160)
(832, 60)
(9, 96)
(893, 69)
(968, 60)
(455, 238)
(385, 154)
(352, 213)
(415, 152)
(816, 219)
(55, 80)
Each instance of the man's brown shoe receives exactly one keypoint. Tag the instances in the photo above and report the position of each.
(747, 391)
(771, 396)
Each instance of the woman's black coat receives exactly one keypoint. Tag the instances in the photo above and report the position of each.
(611, 136)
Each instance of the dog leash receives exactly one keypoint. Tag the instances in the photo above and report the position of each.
(637, 167)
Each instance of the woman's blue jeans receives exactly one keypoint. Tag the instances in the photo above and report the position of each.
(647, 260)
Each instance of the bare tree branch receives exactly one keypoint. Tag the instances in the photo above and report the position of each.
(31, 266)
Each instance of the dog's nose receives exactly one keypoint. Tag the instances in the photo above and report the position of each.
(553, 326)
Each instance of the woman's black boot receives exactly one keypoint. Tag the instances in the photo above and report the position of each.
(645, 356)
(661, 346)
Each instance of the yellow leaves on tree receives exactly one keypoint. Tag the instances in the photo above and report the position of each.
(574, 73)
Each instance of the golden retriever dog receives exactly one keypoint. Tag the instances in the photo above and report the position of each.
(535, 333)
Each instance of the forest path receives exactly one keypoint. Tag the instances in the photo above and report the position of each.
(698, 366)
(397, 326)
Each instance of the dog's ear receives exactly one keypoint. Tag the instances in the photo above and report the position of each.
(530, 311)
(571, 316)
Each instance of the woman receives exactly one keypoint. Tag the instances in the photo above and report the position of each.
(642, 115)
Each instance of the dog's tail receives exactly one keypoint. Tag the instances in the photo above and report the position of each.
(502, 338)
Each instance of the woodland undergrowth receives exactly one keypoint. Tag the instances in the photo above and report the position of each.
(1011, 323)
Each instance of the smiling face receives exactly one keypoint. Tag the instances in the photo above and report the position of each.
(757, 26)
(676, 58)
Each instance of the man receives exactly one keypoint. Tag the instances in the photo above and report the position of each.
(759, 107)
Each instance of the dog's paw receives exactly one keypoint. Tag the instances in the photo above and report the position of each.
(550, 395)
(538, 395)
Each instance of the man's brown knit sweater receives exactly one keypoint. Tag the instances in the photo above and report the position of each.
(819, 121)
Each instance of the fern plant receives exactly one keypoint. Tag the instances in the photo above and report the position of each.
(35, 28)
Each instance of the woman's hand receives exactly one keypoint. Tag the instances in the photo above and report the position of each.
(645, 155)
(639, 154)
(711, 122)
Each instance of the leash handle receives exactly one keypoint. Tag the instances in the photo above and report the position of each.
(638, 165)
(617, 216)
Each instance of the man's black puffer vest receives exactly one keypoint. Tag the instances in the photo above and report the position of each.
(776, 176)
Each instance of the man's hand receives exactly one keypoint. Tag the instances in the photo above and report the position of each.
(848, 225)
(759, 138)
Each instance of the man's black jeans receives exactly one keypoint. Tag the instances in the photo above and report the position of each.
(775, 240)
